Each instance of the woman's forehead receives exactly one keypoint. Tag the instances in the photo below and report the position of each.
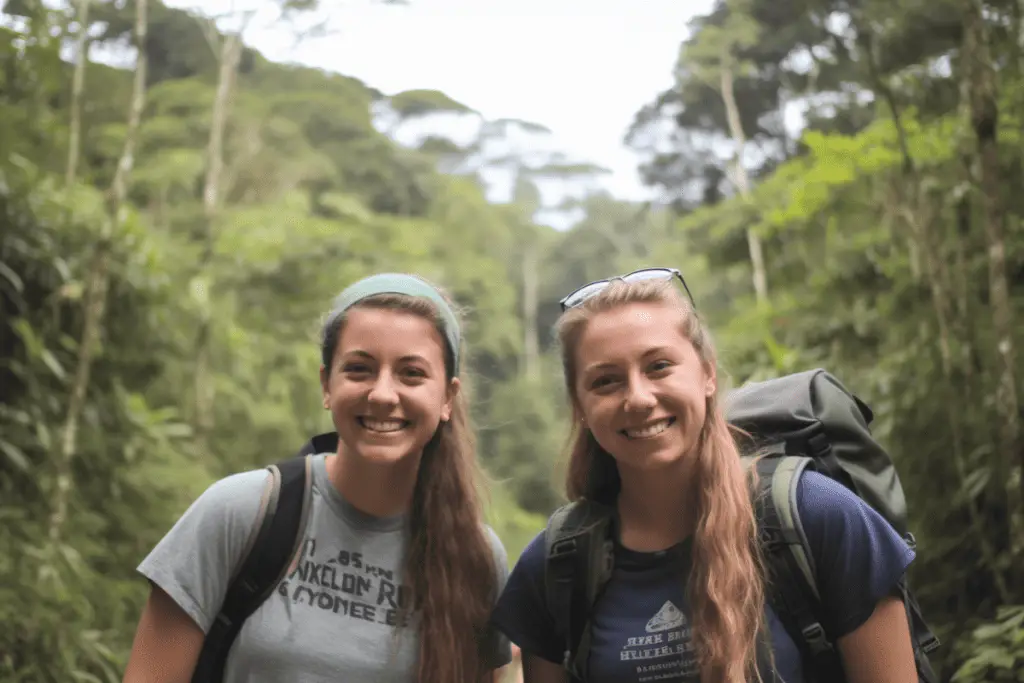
(631, 330)
(391, 333)
(633, 322)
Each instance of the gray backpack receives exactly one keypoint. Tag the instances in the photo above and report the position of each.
(802, 421)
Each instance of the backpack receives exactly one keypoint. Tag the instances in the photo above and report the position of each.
(802, 421)
(272, 545)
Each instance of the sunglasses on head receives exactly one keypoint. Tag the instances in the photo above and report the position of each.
(587, 291)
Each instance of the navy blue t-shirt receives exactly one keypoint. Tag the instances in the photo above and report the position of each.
(641, 630)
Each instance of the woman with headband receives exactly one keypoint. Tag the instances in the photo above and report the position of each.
(404, 571)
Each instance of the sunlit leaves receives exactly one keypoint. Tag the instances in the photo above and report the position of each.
(172, 173)
(272, 232)
(802, 188)
(715, 47)
(996, 649)
(180, 98)
(346, 207)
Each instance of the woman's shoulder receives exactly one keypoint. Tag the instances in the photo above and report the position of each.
(497, 547)
(237, 494)
(521, 612)
(194, 560)
(226, 509)
(815, 491)
(830, 510)
(858, 556)
(530, 563)
(822, 500)
(238, 483)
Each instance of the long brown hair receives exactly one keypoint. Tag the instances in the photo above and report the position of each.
(726, 584)
(449, 563)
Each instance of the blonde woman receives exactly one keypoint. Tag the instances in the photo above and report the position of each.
(686, 600)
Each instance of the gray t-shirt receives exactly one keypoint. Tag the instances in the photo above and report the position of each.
(333, 617)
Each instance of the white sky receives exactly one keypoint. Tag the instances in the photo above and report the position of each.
(582, 68)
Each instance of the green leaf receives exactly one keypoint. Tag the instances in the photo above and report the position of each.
(11, 277)
(53, 364)
(15, 455)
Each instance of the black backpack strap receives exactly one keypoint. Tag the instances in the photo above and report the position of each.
(923, 639)
(792, 592)
(278, 534)
(321, 443)
(579, 559)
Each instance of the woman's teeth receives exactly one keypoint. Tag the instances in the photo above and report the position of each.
(381, 426)
(650, 430)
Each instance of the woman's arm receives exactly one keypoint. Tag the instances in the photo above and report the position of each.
(521, 613)
(859, 560)
(189, 571)
(511, 672)
(167, 643)
(879, 650)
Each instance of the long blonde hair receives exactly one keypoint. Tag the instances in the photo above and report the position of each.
(726, 587)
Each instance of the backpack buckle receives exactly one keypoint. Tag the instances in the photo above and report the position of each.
(814, 635)
(570, 667)
(563, 548)
(929, 644)
(771, 539)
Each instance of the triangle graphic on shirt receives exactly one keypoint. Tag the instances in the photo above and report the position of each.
(668, 617)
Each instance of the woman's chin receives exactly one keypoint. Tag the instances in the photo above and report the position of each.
(385, 455)
(652, 459)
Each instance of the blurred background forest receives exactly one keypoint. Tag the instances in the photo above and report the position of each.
(171, 233)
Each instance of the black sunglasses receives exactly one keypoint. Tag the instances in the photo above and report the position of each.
(586, 291)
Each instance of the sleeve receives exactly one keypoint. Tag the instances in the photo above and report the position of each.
(194, 561)
(858, 556)
(496, 650)
(521, 612)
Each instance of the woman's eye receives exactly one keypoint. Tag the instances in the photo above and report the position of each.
(356, 368)
(660, 365)
(415, 372)
(601, 382)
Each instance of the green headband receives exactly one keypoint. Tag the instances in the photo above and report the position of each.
(399, 283)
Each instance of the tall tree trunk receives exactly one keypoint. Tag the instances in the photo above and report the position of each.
(97, 283)
(920, 222)
(732, 111)
(77, 87)
(960, 235)
(1017, 35)
(230, 54)
(919, 216)
(531, 349)
(984, 116)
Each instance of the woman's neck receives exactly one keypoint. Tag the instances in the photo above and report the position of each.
(657, 509)
(377, 489)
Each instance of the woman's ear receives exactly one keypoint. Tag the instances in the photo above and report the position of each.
(711, 386)
(324, 383)
(453, 391)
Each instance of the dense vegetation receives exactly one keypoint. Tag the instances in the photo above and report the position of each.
(172, 232)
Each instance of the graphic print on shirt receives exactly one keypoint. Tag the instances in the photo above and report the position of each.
(347, 585)
(666, 651)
